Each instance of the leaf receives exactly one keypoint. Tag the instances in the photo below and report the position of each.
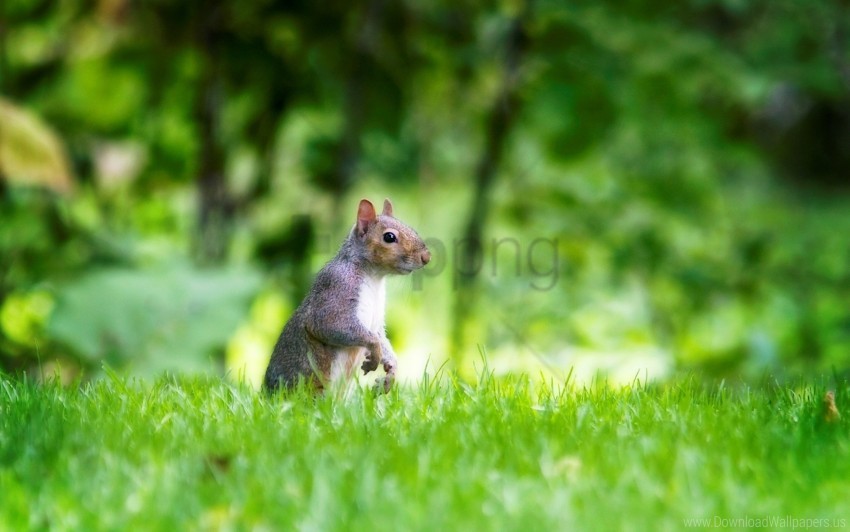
(175, 319)
(830, 411)
(30, 151)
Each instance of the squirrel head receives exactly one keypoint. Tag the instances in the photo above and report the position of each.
(387, 244)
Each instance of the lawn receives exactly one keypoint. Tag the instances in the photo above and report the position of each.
(497, 454)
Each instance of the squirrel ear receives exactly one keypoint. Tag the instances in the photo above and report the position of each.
(388, 208)
(365, 216)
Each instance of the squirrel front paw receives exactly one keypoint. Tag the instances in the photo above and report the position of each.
(385, 384)
(389, 364)
(373, 358)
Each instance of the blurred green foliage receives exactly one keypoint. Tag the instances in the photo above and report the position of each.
(689, 159)
(152, 320)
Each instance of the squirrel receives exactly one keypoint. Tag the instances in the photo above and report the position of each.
(340, 323)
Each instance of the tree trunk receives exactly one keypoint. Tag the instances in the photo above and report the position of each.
(4, 75)
(500, 120)
(4, 65)
(838, 46)
(354, 111)
(215, 205)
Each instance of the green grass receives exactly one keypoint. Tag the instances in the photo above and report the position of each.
(499, 454)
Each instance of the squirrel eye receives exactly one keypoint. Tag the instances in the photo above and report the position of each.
(390, 238)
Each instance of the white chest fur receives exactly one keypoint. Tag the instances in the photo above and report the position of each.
(371, 303)
(371, 300)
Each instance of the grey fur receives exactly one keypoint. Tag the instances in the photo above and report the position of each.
(326, 321)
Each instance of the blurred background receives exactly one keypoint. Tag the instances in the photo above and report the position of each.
(637, 188)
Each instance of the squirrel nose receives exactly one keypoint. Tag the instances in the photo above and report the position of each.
(426, 257)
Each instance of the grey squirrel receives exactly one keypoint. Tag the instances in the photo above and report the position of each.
(340, 324)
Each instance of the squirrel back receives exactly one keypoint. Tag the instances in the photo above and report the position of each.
(340, 323)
